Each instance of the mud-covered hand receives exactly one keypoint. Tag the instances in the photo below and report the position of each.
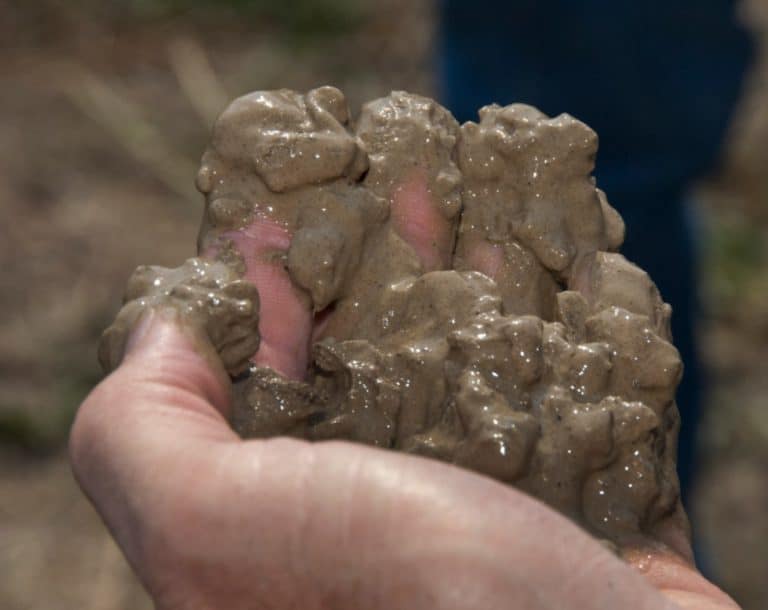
(209, 521)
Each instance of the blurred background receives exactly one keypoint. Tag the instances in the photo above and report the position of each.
(105, 108)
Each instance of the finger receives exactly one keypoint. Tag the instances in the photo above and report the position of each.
(285, 317)
(166, 401)
(410, 141)
(679, 580)
(526, 288)
(481, 255)
(417, 219)
(667, 563)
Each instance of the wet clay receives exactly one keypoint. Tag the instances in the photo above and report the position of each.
(514, 340)
(207, 297)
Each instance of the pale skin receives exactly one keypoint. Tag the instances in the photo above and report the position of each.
(209, 521)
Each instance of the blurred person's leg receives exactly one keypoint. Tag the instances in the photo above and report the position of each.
(656, 79)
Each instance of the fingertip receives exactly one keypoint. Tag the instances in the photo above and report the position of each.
(164, 350)
(697, 601)
(676, 576)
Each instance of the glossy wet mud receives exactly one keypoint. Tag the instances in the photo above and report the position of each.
(461, 288)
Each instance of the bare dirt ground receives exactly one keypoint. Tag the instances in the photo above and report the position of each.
(105, 110)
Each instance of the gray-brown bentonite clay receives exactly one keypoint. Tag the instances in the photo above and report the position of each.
(207, 295)
(515, 341)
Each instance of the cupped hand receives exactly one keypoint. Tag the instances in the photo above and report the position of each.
(210, 521)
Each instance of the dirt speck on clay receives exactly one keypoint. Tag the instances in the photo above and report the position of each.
(514, 340)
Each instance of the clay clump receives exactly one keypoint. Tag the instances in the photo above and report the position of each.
(462, 290)
(207, 296)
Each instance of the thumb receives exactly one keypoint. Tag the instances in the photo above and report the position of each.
(166, 401)
(164, 353)
(170, 372)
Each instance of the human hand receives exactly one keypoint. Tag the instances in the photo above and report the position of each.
(208, 520)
